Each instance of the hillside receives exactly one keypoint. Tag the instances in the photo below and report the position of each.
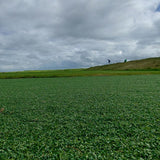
(144, 64)
(139, 67)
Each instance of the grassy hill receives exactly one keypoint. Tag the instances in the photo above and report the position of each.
(144, 64)
(139, 67)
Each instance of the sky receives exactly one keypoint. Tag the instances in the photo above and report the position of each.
(62, 34)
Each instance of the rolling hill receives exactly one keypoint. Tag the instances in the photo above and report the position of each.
(138, 67)
(144, 64)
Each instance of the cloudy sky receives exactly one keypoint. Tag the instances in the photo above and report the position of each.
(59, 34)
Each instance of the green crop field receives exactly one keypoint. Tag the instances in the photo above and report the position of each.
(103, 117)
(73, 73)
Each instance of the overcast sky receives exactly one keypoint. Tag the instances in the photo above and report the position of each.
(59, 34)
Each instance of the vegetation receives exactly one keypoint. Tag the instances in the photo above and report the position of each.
(102, 117)
(144, 64)
(70, 73)
(141, 67)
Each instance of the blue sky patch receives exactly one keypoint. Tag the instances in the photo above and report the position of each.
(158, 8)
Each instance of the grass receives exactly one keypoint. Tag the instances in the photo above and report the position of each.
(148, 66)
(139, 67)
(72, 73)
(151, 64)
(104, 117)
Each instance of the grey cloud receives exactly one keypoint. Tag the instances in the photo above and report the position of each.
(89, 20)
(74, 34)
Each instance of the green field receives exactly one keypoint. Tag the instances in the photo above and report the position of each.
(100, 117)
(148, 66)
(73, 73)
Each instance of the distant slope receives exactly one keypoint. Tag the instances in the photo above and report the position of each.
(139, 67)
(144, 64)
